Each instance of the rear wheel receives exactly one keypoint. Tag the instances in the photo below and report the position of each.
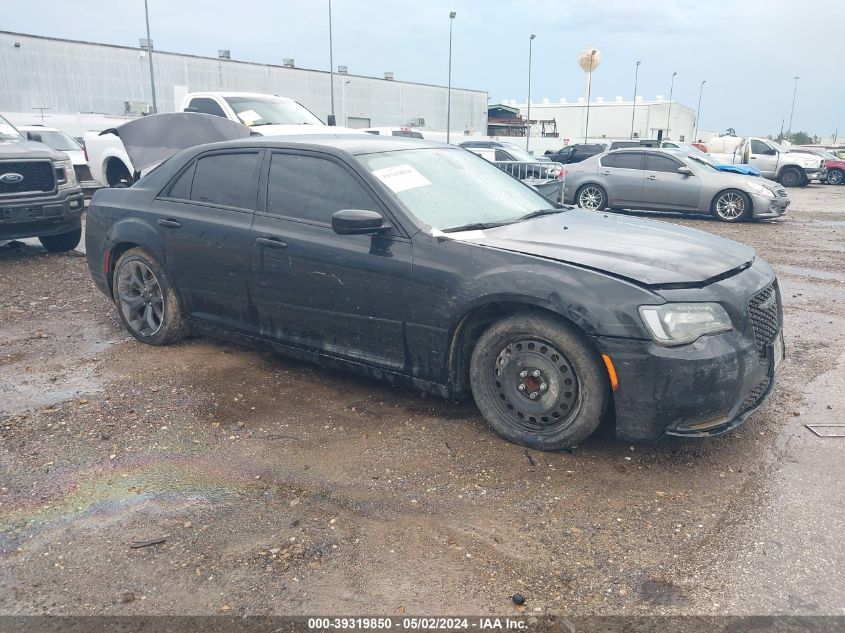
(792, 177)
(63, 242)
(146, 302)
(732, 206)
(835, 177)
(591, 197)
(538, 382)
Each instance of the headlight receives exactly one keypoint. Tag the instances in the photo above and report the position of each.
(679, 323)
(70, 176)
(760, 190)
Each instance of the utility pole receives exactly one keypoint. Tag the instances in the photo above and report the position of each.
(528, 123)
(331, 66)
(792, 111)
(150, 53)
(41, 109)
(698, 112)
(669, 117)
(634, 106)
(452, 15)
(589, 89)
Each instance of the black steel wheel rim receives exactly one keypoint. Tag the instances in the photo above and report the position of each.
(141, 299)
(535, 386)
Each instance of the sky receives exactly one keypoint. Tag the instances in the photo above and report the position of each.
(748, 51)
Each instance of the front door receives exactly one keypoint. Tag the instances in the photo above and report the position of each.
(346, 295)
(665, 188)
(206, 217)
(764, 157)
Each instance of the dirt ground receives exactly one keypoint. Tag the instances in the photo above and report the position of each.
(282, 488)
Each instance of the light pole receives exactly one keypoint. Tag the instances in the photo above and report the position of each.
(150, 53)
(528, 124)
(698, 112)
(669, 117)
(452, 15)
(634, 107)
(332, 120)
(792, 111)
(589, 89)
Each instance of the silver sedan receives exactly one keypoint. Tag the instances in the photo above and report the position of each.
(670, 180)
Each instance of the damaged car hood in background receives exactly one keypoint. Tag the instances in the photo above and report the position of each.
(649, 252)
(155, 138)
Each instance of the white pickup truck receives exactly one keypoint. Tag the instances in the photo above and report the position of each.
(265, 114)
(775, 162)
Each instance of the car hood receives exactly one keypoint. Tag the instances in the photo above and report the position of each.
(645, 251)
(11, 149)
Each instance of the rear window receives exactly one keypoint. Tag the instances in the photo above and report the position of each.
(227, 179)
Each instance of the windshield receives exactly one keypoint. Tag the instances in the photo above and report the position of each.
(8, 131)
(701, 162)
(55, 139)
(254, 111)
(518, 153)
(448, 188)
(777, 146)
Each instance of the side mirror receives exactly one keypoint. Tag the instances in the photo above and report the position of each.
(191, 109)
(685, 171)
(358, 222)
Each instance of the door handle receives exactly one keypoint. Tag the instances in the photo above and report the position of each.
(652, 177)
(170, 224)
(753, 156)
(605, 173)
(271, 242)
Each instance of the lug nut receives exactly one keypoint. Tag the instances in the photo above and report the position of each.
(536, 373)
(523, 374)
(543, 386)
(533, 396)
(521, 387)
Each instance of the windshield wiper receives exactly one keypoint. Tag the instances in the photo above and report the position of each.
(475, 226)
(539, 213)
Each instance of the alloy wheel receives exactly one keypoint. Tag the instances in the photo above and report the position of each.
(141, 298)
(591, 198)
(730, 206)
(535, 385)
(835, 177)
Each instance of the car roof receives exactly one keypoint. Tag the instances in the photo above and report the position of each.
(215, 93)
(37, 128)
(354, 144)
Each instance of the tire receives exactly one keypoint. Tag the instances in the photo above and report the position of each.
(63, 242)
(146, 301)
(835, 177)
(572, 389)
(792, 177)
(591, 197)
(731, 205)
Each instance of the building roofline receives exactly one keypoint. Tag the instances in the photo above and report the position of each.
(237, 61)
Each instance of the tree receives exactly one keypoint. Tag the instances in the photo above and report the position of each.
(801, 138)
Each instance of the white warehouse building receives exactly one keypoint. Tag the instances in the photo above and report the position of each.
(608, 120)
(81, 86)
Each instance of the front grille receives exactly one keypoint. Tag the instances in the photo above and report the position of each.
(763, 310)
(38, 177)
(753, 398)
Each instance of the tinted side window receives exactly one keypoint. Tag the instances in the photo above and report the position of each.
(656, 162)
(310, 188)
(623, 160)
(207, 106)
(181, 188)
(503, 155)
(227, 179)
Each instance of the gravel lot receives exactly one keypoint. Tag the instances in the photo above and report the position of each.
(282, 488)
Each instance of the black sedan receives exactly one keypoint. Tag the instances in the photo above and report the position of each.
(422, 264)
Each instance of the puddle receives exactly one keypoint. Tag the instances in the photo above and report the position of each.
(813, 273)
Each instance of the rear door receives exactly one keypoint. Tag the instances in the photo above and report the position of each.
(665, 188)
(621, 174)
(206, 216)
(347, 295)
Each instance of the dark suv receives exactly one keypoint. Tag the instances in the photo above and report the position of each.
(39, 195)
(575, 153)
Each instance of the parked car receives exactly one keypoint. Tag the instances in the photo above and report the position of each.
(264, 114)
(394, 131)
(62, 142)
(39, 195)
(694, 150)
(421, 264)
(670, 180)
(575, 153)
(545, 176)
(773, 160)
(833, 164)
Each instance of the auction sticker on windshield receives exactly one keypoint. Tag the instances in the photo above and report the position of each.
(401, 178)
(249, 116)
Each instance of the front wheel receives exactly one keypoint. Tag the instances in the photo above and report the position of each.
(63, 242)
(538, 382)
(791, 177)
(835, 177)
(146, 302)
(591, 197)
(732, 206)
